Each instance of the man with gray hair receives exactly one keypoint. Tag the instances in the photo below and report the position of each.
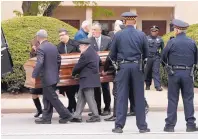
(101, 43)
(84, 31)
(87, 69)
(47, 67)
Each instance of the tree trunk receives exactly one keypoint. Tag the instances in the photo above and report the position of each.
(51, 8)
(26, 7)
(30, 8)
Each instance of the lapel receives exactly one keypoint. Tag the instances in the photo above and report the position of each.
(69, 46)
(102, 43)
(62, 48)
(95, 45)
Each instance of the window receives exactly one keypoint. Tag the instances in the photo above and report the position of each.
(107, 25)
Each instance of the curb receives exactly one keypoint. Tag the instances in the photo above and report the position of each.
(32, 110)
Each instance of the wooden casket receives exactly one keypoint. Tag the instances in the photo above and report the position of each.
(67, 64)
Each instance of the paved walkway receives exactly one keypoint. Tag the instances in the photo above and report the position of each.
(157, 102)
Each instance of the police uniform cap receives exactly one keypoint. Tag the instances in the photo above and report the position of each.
(129, 15)
(179, 24)
(84, 41)
(154, 28)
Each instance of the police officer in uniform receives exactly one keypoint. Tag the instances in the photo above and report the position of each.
(153, 63)
(129, 48)
(180, 54)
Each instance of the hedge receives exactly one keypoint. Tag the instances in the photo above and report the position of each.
(192, 32)
(19, 32)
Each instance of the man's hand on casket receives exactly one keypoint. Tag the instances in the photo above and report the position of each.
(103, 73)
(75, 76)
(33, 80)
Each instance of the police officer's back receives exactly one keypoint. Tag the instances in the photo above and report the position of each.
(180, 54)
(128, 47)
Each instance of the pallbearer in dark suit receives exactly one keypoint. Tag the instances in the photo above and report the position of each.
(101, 43)
(66, 46)
(47, 67)
(87, 69)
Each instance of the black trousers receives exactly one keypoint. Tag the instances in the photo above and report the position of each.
(50, 100)
(131, 99)
(106, 97)
(70, 92)
(181, 80)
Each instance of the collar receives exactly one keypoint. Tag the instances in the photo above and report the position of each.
(130, 26)
(84, 31)
(67, 42)
(98, 37)
(181, 34)
(153, 37)
(43, 41)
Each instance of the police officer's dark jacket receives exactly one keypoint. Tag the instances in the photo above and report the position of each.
(129, 44)
(180, 51)
(155, 44)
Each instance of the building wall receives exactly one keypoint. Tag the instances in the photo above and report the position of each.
(144, 13)
(7, 8)
(70, 13)
(185, 10)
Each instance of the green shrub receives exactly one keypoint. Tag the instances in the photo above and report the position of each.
(19, 32)
(192, 32)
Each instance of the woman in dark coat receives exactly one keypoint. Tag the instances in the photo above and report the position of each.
(35, 91)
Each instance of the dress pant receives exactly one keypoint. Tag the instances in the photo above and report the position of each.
(106, 96)
(70, 92)
(85, 96)
(50, 100)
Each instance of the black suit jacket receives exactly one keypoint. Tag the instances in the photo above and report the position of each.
(111, 34)
(72, 47)
(47, 64)
(105, 43)
(88, 69)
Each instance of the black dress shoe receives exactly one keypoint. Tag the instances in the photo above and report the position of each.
(93, 119)
(38, 114)
(166, 129)
(131, 114)
(90, 114)
(145, 130)
(159, 89)
(105, 113)
(65, 120)
(192, 129)
(112, 118)
(117, 130)
(42, 121)
(76, 120)
(147, 87)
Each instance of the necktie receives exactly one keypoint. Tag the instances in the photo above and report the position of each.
(66, 49)
(98, 43)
